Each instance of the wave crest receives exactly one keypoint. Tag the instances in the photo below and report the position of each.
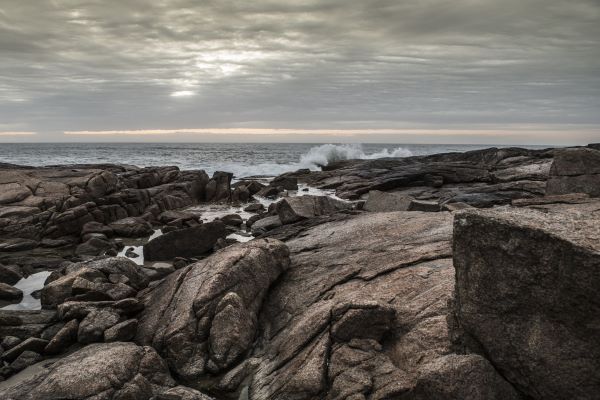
(326, 154)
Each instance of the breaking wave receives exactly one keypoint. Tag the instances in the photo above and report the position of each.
(329, 153)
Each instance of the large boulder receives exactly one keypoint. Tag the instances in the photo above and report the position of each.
(575, 171)
(527, 296)
(293, 209)
(203, 318)
(362, 314)
(187, 242)
(98, 371)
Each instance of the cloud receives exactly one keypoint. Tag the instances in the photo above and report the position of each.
(70, 65)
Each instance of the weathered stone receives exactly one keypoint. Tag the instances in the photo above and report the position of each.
(13, 192)
(263, 225)
(25, 359)
(293, 209)
(187, 242)
(527, 295)
(121, 332)
(32, 344)
(214, 304)
(92, 327)
(58, 291)
(65, 337)
(575, 171)
(422, 205)
(131, 227)
(219, 187)
(99, 371)
(382, 201)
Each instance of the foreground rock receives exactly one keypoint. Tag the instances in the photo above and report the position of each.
(100, 371)
(361, 313)
(527, 296)
(187, 242)
(203, 318)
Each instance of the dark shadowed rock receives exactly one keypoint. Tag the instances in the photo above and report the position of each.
(99, 371)
(121, 332)
(10, 274)
(527, 296)
(32, 344)
(187, 242)
(285, 182)
(25, 359)
(219, 187)
(293, 209)
(383, 201)
(92, 327)
(575, 171)
(10, 293)
(17, 244)
(203, 318)
(131, 227)
(64, 338)
(255, 208)
(25, 323)
(232, 219)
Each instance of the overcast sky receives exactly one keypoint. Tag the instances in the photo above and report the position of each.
(478, 71)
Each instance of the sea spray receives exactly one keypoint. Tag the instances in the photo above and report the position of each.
(326, 154)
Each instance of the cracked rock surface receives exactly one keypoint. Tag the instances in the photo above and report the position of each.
(203, 318)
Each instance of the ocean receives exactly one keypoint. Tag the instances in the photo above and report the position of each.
(242, 159)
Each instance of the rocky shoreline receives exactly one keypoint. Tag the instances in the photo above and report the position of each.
(452, 276)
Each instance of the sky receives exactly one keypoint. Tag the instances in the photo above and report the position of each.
(427, 71)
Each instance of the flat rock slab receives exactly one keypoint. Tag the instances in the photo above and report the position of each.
(527, 295)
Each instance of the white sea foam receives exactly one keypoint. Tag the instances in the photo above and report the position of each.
(329, 153)
(315, 158)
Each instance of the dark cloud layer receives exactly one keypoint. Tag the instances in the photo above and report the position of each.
(69, 65)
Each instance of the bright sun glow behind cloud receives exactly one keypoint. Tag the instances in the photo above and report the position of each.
(183, 93)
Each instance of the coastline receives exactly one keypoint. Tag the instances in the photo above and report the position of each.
(388, 276)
